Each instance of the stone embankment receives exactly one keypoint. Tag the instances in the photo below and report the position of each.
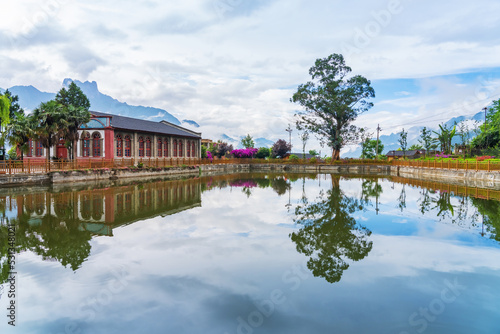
(481, 179)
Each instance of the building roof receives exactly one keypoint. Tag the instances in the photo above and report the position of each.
(135, 124)
(407, 153)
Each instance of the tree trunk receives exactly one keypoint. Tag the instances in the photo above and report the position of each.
(335, 154)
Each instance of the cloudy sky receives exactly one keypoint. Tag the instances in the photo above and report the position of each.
(232, 65)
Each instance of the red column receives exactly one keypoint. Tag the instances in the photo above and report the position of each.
(109, 144)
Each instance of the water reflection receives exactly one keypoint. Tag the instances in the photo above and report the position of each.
(58, 225)
(329, 234)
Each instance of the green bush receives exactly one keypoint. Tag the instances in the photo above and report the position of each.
(140, 165)
(313, 160)
(263, 153)
(293, 158)
(328, 160)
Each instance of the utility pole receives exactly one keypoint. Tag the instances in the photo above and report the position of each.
(289, 130)
(485, 112)
(378, 130)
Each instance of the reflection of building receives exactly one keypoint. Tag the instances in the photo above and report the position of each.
(101, 210)
(111, 136)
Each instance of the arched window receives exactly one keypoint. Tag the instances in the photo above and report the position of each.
(30, 148)
(165, 148)
(86, 144)
(141, 146)
(181, 152)
(160, 148)
(96, 144)
(119, 146)
(175, 148)
(148, 147)
(128, 149)
(193, 149)
(39, 149)
(188, 145)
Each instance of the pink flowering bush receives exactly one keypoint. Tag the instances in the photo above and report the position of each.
(209, 156)
(243, 183)
(244, 153)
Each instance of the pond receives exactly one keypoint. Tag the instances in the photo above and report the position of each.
(250, 253)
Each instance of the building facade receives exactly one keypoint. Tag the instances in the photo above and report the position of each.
(111, 136)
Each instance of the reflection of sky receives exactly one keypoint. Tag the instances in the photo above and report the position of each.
(201, 270)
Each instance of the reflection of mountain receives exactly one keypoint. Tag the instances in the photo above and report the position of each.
(329, 234)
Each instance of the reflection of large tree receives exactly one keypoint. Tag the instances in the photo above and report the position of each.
(329, 234)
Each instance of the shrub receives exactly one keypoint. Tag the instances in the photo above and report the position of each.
(293, 158)
(263, 153)
(484, 157)
(281, 148)
(244, 153)
(140, 165)
(313, 160)
(328, 160)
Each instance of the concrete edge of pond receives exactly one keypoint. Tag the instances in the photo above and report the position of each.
(470, 178)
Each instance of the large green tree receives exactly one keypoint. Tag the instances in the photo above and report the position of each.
(489, 132)
(76, 113)
(332, 101)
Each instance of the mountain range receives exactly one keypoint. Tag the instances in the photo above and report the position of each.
(30, 98)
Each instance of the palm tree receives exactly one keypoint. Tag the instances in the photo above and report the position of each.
(75, 117)
(50, 125)
(445, 136)
(20, 131)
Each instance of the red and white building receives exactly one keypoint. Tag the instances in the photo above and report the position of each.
(111, 136)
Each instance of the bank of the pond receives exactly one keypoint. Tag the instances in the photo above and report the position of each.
(481, 179)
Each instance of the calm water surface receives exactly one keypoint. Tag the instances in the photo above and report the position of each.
(252, 254)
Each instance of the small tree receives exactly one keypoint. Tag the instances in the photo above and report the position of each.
(445, 136)
(426, 140)
(20, 131)
(281, 148)
(248, 142)
(263, 153)
(370, 148)
(314, 153)
(223, 148)
(304, 137)
(364, 136)
(403, 141)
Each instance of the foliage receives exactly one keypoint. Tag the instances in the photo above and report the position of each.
(364, 137)
(313, 153)
(244, 153)
(484, 157)
(263, 153)
(73, 96)
(445, 136)
(403, 141)
(12, 154)
(489, 132)
(415, 147)
(293, 158)
(19, 131)
(14, 108)
(209, 156)
(313, 160)
(140, 165)
(332, 101)
(281, 148)
(4, 110)
(369, 148)
(50, 124)
(248, 142)
(203, 151)
(328, 160)
(426, 140)
(223, 148)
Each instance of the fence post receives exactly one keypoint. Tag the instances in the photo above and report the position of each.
(476, 166)
(466, 165)
(488, 165)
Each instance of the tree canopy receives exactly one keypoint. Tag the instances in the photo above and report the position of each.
(489, 135)
(73, 96)
(332, 101)
(248, 142)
